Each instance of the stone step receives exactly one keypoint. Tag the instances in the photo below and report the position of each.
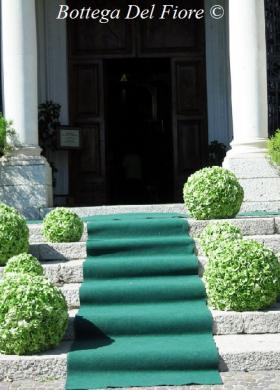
(36, 235)
(271, 241)
(59, 251)
(237, 353)
(64, 272)
(77, 250)
(61, 272)
(226, 322)
(124, 209)
(249, 226)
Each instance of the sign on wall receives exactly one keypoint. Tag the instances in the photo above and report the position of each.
(69, 138)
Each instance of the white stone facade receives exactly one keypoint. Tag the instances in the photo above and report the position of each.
(25, 177)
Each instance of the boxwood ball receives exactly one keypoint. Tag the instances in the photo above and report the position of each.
(213, 193)
(62, 225)
(14, 233)
(217, 233)
(244, 275)
(23, 264)
(33, 315)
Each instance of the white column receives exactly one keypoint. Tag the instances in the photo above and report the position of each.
(247, 158)
(19, 54)
(248, 76)
(26, 179)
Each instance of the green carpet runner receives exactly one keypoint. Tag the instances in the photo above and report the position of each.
(143, 319)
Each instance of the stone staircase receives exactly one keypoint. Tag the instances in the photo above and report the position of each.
(248, 341)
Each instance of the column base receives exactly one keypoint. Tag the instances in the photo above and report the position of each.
(259, 178)
(26, 183)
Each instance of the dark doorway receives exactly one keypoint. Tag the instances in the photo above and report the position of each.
(137, 91)
(138, 119)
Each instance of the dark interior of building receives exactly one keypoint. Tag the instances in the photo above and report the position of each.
(139, 130)
(137, 91)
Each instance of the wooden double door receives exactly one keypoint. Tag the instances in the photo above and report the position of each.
(138, 92)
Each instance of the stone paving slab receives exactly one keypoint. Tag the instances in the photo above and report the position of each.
(262, 380)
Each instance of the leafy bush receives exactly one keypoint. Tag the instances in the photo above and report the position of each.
(24, 264)
(213, 193)
(273, 147)
(33, 315)
(7, 136)
(48, 118)
(14, 233)
(216, 233)
(217, 152)
(62, 225)
(245, 275)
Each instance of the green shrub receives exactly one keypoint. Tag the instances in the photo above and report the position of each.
(213, 193)
(33, 315)
(7, 135)
(14, 233)
(216, 153)
(62, 225)
(273, 147)
(245, 275)
(24, 264)
(216, 233)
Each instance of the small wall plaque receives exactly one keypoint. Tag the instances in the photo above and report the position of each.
(69, 138)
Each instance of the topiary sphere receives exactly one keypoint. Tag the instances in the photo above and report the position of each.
(24, 264)
(62, 225)
(33, 315)
(245, 275)
(217, 233)
(14, 233)
(213, 193)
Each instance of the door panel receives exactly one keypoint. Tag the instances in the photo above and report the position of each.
(89, 38)
(88, 176)
(189, 145)
(188, 88)
(190, 136)
(86, 99)
(171, 36)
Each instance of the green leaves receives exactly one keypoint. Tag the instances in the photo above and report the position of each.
(213, 193)
(273, 147)
(242, 275)
(25, 264)
(216, 233)
(14, 233)
(62, 225)
(7, 136)
(33, 314)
